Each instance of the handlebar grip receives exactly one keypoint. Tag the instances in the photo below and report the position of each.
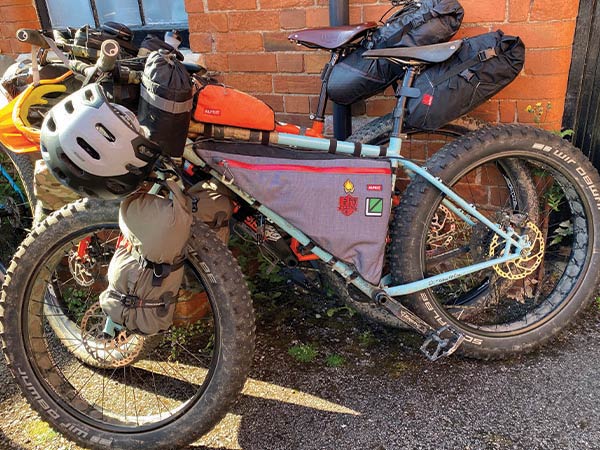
(109, 53)
(33, 37)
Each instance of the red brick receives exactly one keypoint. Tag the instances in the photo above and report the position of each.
(290, 62)
(488, 111)
(548, 62)
(16, 2)
(23, 13)
(372, 13)
(484, 11)
(297, 84)
(356, 15)
(292, 19)
(239, 42)
(297, 104)
(315, 61)
(535, 87)
(278, 42)
(250, 82)
(518, 10)
(208, 22)
(216, 62)
(283, 4)
(253, 63)
(541, 35)
(254, 20)
(470, 31)
(5, 47)
(380, 106)
(194, 6)
(317, 17)
(201, 42)
(274, 101)
(508, 111)
(228, 5)
(554, 10)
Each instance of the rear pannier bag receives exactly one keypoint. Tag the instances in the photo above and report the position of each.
(428, 22)
(166, 98)
(342, 203)
(146, 271)
(483, 66)
(223, 105)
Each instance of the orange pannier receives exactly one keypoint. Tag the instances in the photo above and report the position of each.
(223, 105)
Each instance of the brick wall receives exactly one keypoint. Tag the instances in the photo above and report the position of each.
(246, 41)
(15, 14)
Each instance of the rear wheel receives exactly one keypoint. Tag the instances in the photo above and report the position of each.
(516, 306)
(121, 393)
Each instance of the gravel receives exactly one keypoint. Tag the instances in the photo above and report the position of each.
(385, 395)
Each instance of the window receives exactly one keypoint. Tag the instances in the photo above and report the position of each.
(153, 14)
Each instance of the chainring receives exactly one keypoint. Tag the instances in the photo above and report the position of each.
(109, 352)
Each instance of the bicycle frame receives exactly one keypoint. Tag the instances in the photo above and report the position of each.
(514, 244)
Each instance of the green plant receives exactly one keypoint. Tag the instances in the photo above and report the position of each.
(598, 302)
(304, 353)
(564, 229)
(366, 338)
(77, 301)
(539, 111)
(335, 360)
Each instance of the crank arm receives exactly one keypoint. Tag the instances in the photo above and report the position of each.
(435, 346)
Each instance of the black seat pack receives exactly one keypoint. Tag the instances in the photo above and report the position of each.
(481, 68)
(166, 97)
(427, 22)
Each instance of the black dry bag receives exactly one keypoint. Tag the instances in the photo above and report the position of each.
(481, 68)
(355, 78)
(166, 97)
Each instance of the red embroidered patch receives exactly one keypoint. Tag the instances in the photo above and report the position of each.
(212, 112)
(374, 187)
(427, 100)
(348, 205)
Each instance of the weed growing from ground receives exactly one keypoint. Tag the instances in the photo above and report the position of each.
(304, 353)
(335, 360)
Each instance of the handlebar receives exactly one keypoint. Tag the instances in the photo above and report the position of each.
(33, 37)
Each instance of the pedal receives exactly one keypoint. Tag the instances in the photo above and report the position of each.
(442, 346)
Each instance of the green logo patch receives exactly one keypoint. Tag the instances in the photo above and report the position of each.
(374, 207)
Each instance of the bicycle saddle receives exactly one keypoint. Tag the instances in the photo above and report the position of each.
(427, 53)
(330, 37)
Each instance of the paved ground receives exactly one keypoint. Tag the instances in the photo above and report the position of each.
(385, 395)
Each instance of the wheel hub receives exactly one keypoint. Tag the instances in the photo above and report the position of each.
(531, 256)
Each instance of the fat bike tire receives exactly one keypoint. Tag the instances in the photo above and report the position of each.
(189, 405)
(547, 294)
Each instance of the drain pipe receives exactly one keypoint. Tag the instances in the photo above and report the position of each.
(339, 14)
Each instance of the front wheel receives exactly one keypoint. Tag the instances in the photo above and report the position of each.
(516, 306)
(122, 392)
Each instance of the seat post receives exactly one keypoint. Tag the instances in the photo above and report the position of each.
(320, 114)
(399, 110)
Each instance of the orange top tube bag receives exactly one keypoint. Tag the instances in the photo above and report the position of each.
(223, 105)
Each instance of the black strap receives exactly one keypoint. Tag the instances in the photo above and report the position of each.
(481, 56)
(383, 151)
(410, 92)
(208, 128)
(357, 149)
(133, 301)
(332, 146)
(160, 271)
(265, 138)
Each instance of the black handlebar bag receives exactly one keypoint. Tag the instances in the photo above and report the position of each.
(166, 98)
(427, 22)
(483, 66)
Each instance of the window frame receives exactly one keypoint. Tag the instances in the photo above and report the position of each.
(139, 31)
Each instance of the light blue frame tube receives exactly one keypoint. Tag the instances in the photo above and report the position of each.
(514, 244)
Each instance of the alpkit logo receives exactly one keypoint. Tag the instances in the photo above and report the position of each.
(374, 187)
(212, 112)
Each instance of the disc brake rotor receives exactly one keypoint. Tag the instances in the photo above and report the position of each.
(110, 352)
(441, 230)
(530, 259)
(80, 269)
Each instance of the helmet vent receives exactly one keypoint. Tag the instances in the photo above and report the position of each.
(69, 107)
(105, 133)
(89, 95)
(88, 148)
(51, 124)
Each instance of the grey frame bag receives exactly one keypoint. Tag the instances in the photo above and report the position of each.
(146, 271)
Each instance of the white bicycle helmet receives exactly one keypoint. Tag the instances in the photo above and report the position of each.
(95, 147)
